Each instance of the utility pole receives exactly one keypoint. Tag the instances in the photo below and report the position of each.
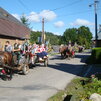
(95, 10)
(43, 33)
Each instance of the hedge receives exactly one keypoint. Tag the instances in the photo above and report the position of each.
(95, 57)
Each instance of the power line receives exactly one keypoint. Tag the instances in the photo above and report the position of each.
(25, 7)
(77, 1)
(77, 13)
(55, 9)
(67, 5)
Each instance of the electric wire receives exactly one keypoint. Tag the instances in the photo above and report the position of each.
(67, 5)
(23, 4)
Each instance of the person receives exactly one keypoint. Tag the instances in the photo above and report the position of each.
(25, 47)
(8, 47)
(41, 53)
(44, 53)
(33, 52)
(17, 50)
(34, 49)
(1, 46)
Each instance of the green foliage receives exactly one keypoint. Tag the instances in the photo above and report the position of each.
(53, 39)
(24, 20)
(82, 36)
(95, 57)
(34, 36)
(70, 34)
(80, 89)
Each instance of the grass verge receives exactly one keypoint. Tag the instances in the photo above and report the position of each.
(79, 89)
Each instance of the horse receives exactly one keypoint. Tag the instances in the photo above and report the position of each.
(70, 53)
(6, 64)
(62, 51)
(66, 52)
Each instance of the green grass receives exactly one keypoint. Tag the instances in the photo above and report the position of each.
(62, 94)
(78, 90)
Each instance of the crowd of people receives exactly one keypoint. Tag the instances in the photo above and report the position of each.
(20, 49)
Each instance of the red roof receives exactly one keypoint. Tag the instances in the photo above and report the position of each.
(10, 28)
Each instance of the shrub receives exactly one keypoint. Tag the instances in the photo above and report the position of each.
(95, 57)
(79, 89)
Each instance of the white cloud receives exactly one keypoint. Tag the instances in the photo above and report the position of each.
(37, 17)
(48, 15)
(80, 22)
(33, 17)
(16, 16)
(34, 30)
(59, 24)
(56, 33)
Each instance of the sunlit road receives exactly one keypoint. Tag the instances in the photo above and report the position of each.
(42, 82)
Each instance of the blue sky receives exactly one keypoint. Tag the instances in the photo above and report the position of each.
(59, 14)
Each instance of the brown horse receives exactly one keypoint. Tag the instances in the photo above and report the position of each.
(62, 50)
(66, 51)
(6, 63)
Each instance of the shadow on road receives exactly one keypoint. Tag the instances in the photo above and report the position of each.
(76, 69)
(82, 57)
(58, 57)
(68, 68)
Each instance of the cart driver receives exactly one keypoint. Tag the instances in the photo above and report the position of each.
(17, 50)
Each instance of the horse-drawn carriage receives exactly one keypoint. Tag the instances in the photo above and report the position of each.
(67, 52)
(35, 59)
(8, 64)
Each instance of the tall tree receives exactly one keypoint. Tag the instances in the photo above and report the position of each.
(70, 35)
(24, 20)
(84, 36)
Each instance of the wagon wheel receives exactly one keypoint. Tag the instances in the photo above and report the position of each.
(25, 69)
(46, 62)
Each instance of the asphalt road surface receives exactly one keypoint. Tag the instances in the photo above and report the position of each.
(42, 82)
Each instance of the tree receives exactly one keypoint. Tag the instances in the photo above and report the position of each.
(84, 36)
(70, 35)
(34, 36)
(24, 20)
(53, 39)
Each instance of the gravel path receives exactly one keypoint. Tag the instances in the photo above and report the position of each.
(42, 82)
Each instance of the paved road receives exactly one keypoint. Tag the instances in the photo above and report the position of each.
(42, 82)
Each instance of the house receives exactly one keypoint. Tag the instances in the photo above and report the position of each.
(11, 28)
(99, 37)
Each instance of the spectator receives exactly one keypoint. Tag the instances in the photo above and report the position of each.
(1, 46)
(8, 47)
